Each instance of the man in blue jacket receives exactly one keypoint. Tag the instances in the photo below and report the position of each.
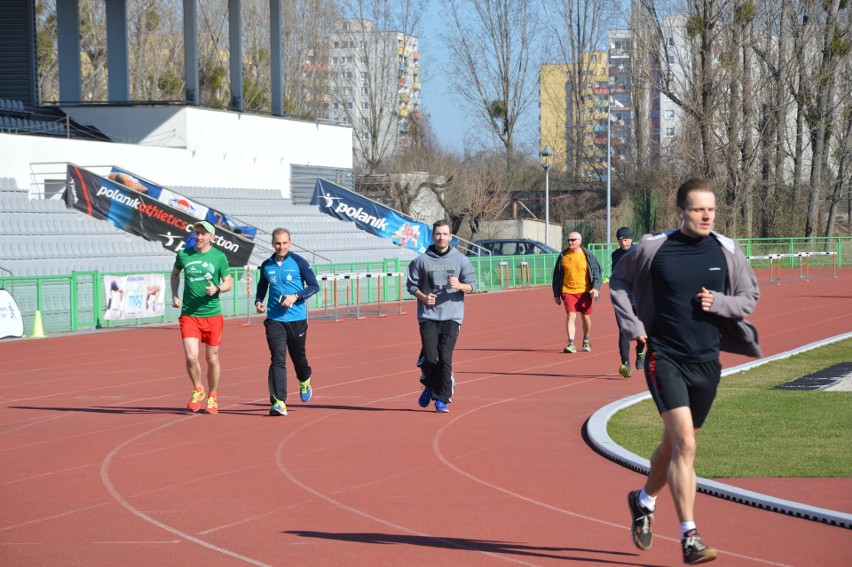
(290, 281)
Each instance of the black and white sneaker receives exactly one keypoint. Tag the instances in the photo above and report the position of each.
(642, 518)
(694, 550)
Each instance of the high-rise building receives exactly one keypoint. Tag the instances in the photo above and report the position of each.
(675, 50)
(375, 87)
(621, 98)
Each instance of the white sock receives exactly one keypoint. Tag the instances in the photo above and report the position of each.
(647, 501)
(685, 527)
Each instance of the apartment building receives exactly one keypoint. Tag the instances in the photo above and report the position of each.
(374, 85)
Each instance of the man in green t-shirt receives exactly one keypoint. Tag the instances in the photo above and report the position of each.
(206, 275)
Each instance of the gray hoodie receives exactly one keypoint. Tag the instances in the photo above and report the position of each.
(632, 277)
(430, 272)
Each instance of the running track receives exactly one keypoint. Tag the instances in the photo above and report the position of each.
(101, 466)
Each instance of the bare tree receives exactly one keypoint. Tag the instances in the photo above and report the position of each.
(492, 45)
(308, 24)
(834, 49)
(155, 42)
(93, 72)
(422, 169)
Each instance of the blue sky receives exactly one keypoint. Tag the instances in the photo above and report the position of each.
(448, 120)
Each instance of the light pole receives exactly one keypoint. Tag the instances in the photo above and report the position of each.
(546, 156)
(608, 175)
(611, 101)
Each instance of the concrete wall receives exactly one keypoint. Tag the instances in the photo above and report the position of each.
(522, 228)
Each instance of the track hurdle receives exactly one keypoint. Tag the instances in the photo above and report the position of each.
(804, 265)
(771, 258)
(804, 260)
(249, 302)
(809, 275)
(504, 272)
(524, 268)
(333, 303)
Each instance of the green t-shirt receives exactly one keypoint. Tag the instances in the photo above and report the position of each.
(200, 269)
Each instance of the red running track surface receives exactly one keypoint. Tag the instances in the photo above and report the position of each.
(102, 466)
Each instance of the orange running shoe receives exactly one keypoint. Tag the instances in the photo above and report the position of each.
(212, 404)
(195, 403)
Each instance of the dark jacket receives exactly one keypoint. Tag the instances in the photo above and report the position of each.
(559, 273)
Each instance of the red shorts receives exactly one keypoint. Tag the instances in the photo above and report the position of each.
(206, 329)
(578, 303)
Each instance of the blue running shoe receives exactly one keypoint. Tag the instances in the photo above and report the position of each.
(278, 408)
(305, 391)
(425, 397)
(441, 407)
(420, 361)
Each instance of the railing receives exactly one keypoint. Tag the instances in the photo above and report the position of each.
(841, 245)
(76, 301)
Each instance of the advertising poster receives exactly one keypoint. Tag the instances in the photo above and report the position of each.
(178, 201)
(143, 216)
(134, 297)
(370, 216)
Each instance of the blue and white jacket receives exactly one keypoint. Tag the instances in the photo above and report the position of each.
(293, 276)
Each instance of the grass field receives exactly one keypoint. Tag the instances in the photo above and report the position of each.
(754, 430)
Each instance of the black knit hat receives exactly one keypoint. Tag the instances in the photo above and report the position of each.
(624, 232)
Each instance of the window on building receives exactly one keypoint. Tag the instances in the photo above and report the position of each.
(669, 114)
(364, 75)
(365, 91)
(365, 105)
(671, 59)
(334, 60)
(349, 106)
(336, 44)
(670, 132)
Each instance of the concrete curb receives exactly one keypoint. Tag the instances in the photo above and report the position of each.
(599, 439)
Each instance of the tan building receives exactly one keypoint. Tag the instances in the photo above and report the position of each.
(573, 109)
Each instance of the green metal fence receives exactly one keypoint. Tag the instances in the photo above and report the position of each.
(76, 301)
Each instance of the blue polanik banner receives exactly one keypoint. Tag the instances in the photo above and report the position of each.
(370, 216)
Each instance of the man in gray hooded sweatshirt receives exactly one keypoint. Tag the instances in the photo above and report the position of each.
(439, 279)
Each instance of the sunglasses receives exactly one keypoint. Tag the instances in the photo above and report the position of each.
(573, 239)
